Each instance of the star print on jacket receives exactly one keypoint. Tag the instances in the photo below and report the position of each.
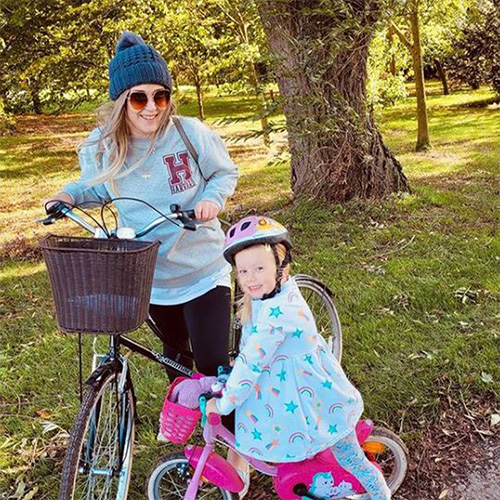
(291, 396)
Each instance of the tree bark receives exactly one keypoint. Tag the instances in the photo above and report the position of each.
(336, 150)
(423, 141)
(442, 76)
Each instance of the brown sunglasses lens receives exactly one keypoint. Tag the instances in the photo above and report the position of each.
(139, 100)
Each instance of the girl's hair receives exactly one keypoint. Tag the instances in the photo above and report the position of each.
(115, 139)
(245, 303)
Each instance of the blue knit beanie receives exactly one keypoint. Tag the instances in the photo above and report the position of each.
(136, 63)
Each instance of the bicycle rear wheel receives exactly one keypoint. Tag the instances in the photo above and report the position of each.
(390, 453)
(98, 460)
(169, 478)
(319, 298)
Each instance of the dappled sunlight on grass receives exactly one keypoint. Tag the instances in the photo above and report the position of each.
(415, 277)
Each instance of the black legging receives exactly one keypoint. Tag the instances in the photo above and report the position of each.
(202, 322)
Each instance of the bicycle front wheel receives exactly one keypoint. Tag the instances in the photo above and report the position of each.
(169, 479)
(319, 298)
(98, 460)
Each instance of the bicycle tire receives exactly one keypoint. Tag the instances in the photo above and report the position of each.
(179, 463)
(394, 463)
(319, 298)
(86, 430)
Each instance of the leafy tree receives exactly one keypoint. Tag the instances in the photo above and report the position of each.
(321, 49)
(476, 59)
(388, 66)
(27, 50)
(57, 52)
(194, 35)
(412, 41)
(244, 23)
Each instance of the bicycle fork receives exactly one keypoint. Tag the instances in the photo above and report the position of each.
(194, 483)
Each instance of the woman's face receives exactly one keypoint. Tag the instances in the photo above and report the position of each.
(145, 121)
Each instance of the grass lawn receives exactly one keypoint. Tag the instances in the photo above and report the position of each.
(416, 280)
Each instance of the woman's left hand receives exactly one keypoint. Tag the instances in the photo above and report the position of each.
(206, 210)
(211, 407)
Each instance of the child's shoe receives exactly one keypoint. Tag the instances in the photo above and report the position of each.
(245, 477)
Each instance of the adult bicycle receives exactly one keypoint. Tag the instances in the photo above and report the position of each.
(99, 456)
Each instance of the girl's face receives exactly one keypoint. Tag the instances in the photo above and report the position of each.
(145, 122)
(256, 270)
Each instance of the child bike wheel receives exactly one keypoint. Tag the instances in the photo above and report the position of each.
(98, 460)
(319, 298)
(169, 478)
(390, 453)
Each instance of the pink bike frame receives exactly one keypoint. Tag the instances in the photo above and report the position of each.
(212, 467)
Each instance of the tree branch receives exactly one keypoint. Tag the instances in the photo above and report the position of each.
(404, 39)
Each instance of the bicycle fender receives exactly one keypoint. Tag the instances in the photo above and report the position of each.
(103, 370)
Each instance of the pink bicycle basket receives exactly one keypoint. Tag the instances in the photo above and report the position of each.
(177, 423)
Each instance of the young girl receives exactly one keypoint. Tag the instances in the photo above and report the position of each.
(141, 149)
(292, 398)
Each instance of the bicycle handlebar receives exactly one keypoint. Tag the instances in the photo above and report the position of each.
(61, 210)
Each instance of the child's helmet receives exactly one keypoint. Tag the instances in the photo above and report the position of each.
(254, 230)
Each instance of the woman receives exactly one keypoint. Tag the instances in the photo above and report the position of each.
(139, 151)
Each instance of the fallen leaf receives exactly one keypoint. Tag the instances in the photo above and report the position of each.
(444, 493)
(45, 414)
(495, 419)
(486, 378)
(30, 494)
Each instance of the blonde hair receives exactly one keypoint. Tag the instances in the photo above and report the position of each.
(115, 140)
(245, 303)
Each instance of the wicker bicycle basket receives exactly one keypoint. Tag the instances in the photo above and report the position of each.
(100, 285)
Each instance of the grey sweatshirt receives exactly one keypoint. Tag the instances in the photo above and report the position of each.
(190, 263)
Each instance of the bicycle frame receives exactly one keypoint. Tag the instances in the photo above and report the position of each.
(291, 480)
(213, 467)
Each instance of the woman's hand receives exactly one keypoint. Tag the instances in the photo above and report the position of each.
(211, 407)
(206, 210)
(65, 197)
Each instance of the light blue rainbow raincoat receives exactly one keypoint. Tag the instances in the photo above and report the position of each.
(291, 396)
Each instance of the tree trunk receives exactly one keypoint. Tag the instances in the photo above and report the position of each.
(199, 95)
(35, 97)
(336, 150)
(442, 76)
(423, 141)
(390, 40)
(261, 98)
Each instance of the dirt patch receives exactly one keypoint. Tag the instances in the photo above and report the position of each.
(20, 249)
(456, 457)
(50, 124)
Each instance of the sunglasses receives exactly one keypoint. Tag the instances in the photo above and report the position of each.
(139, 100)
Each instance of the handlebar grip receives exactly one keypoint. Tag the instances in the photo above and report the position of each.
(56, 209)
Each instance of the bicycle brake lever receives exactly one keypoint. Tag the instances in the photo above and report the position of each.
(185, 217)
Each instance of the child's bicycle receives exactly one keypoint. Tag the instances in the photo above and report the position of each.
(199, 472)
(98, 459)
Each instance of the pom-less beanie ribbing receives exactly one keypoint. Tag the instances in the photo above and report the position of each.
(136, 63)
